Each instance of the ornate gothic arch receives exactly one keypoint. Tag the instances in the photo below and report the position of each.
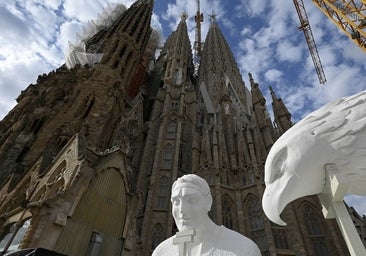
(315, 228)
(229, 213)
(167, 158)
(157, 235)
(163, 194)
(254, 217)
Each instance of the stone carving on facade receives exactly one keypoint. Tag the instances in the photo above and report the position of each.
(127, 136)
(34, 180)
(61, 175)
(227, 108)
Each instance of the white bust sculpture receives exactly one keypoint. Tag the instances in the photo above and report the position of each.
(334, 134)
(191, 201)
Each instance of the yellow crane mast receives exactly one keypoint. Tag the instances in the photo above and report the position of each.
(349, 16)
(198, 43)
(198, 19)
(305, 27)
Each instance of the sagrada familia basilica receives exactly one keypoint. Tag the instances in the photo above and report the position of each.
(89, 153)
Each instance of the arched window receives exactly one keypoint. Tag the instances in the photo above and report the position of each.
(254, 213)
(256, 223)
(157, 236)
(279, 236)
(168, 157)
(227, 213)
(163, 200)
(171, 129)
(314, 226)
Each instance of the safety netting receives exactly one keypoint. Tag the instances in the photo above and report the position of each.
(77, 52)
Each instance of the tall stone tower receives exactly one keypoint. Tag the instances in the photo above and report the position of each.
(70, 148)
(167, 153)
(89, 154)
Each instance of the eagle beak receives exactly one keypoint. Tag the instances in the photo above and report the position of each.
(271, 208)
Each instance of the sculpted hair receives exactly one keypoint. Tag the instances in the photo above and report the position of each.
(196, 182)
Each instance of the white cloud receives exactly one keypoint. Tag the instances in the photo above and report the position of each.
(24, 47)
(251, 7)
(253, 59)
(273, 75)
(12, 25)
(286, 51)
(83, 10)
(342, 81)
(156, 24)
(25, 71)
(68, 33)
(51, 4)
(246, 31)
(41, 17)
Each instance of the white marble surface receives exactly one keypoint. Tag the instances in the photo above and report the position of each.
(295, 166)
(191, 200)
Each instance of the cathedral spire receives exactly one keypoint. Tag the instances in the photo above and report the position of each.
(281, 114)
(219, 71)
(213, 17)
(179, 65)
(257, 95)
(261, 113)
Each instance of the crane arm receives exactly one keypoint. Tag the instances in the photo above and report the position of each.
(305, 27)
(349, 16)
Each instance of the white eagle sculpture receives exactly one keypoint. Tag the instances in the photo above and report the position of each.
(334, 134)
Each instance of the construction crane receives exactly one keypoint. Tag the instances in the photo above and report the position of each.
(198, 43)
(305, 27)
(349, 16)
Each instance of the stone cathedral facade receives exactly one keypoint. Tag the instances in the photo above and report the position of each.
(89, 154)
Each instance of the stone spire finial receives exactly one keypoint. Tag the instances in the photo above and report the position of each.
(184, 16)
(273, 94)
(271, 89)
(213, 17)
(250, 76)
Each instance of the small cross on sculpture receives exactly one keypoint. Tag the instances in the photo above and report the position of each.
(181, 239)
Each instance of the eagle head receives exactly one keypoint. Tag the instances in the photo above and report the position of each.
(294, 168)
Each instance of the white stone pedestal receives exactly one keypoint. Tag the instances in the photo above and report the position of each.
(336, 185)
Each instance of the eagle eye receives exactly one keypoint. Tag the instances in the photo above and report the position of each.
(277, 169)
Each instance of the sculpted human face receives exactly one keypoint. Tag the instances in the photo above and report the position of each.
(189, 208)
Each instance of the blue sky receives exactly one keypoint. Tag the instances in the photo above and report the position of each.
(262, 34)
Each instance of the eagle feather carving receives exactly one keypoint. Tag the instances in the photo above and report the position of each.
(335, 133)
